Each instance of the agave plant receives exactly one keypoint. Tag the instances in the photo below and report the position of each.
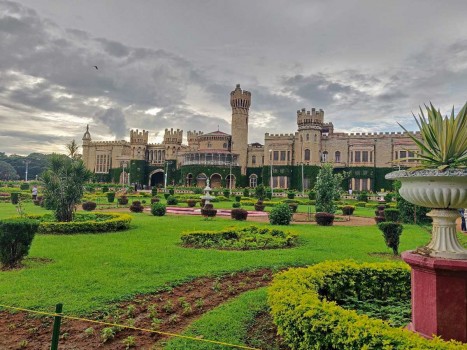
(444, 140)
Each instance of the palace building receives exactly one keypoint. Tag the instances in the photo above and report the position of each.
(288, 160)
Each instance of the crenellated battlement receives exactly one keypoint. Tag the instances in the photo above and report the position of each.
(315, 116)
(139, 137)
(278, 136)
(194, 134)
(173, 136)
(240, 98)
(110, 143)
(373, 134)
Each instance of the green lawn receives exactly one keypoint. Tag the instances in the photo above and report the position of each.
(88, 272)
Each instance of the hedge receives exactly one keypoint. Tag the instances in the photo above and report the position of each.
(107, 222)
(304, 308)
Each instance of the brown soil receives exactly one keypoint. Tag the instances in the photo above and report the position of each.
(173, 310)
(263, 334)
(387, 256)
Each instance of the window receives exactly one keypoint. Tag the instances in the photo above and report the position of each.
(307, 154)
(351, 157)
(253, 180)
(411, 155)
(403, 154)
(224, 145)
(325, 156)
(337, 156)
(364, 156)
(316, 137)
(358, 157)
(308, 137)
(276, 155)
(283, 153)
(209, 144)
(253, 160)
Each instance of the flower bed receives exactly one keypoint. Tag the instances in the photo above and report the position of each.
(83, 223)
(304, 305)
(251, 237)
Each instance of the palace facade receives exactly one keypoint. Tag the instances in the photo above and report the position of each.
(289, 160)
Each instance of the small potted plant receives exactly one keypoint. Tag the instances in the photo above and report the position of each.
(440, 181)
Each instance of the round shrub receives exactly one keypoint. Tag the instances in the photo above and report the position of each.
(324, 219)
(238, 214)
(259, 206)
(123, 200)
(24, 186)
(136, 207)
(293, 206)
(105, 189)
(171, 200)
(312, 195)
(154, 200)
(280, 215)
(236, 205)
(238, 198)
(16, 236)
(246, 192)
(290, 195)
(226, 193)
(14, 196)
(362, 197)
(208, 211)
(154, 191)
(166, 195)
(391, 214)
(171, 191)
(110, 197)
(89, 206)
(158, 209)
(191, 203)
(348, 209)
(198, 190)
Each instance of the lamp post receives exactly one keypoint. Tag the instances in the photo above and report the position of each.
(26, 174)
(165, 176)
(123, 172)
(272, 158)
(230, 176)
(303, 182)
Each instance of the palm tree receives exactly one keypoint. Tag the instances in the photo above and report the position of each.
(72, 148)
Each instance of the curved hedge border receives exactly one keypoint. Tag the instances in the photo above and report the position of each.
(114, 222)
(246, 238)
(299, 300)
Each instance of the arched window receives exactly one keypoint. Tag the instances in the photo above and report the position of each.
(307, 154)
(324, 156)
(253, 180)
(337, 157)
(253, 159)
(308, 137)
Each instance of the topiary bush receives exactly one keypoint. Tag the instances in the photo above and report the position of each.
(154, 191)
(312, 195)
(324, 219)
(198, 190)
(14, 197)
(280, 215)
(238, 199)
(391, 233)
(293, 206)
(171, 200)
(105, 189)
(89, 206)
(136, 207)
(226, 193)
(391, 214)
(208, 211)
(236, 205)
(158, 209)
(239, 214)
(166, 195)
(123, 200)
(290, 195)
(348, 209)
(16, 236)
(155, 199)
(191, 203)
(246, 192)
(259, 206)
(24, 186)
(171, 191)
(110, 197)
(362, 197)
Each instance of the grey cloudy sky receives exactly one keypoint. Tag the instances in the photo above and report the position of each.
(173, 63)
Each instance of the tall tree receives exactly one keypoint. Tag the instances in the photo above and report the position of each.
(72, 148)
(328, 189)
(64, 185)
(7, 172)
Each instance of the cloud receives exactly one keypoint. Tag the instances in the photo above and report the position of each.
(114, 119)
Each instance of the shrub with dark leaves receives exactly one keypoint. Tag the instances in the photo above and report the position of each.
(136, 207)
(324, 219)
(16, 236)
(239, 214)
(391, 233)
(280, 215)
(348, 209)
(89, 206)
(158, 209)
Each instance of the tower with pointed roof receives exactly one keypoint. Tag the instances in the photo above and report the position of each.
(240, 101)
(86, 146)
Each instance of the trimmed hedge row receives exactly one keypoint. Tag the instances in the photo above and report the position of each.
(250, 237)
(304, 307)
(107, 222)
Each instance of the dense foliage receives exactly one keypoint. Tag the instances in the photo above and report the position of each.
(280, 215)
(136, 207)
(16, 236)
(410, 213)
(250, 237)
(327, 188)
(391, 233)
(158, 209)
(348, 209)
(238, 214)
(305, 307)
(324, 219)
(89, 206)
(64, 185)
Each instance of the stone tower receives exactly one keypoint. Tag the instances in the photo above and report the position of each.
(172, 142)
(86, 143)
(240, 101)
(139, 142)
(308, 146)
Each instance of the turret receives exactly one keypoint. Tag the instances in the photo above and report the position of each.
(86, 142)
(192, 137)
(139, 142)
(308, 142)
(240, 101)
(173, 136)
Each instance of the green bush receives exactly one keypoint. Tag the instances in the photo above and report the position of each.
(171, 191)
(166, 195)
(236, 205)
(105, 189)
(312, 195)
(154, 191)
(246, 192)
(208, 211)
(324, 219)
(136, 207)
(268, 194)
(14, 196)
(280, 215)
(293, 206)
(290, 195)
(362, 197)
(24, 186)
(260, 192)
(391, 233)
(171, 200)
(123, 200)
(83, 223)
(348, 209)
(155, 200)
(89, 206)
(391, 214)
(238, 199)
(158, 209)
(198, 190)
(246, 238)
(361, 204)
(16, 236)
(110, 197)
(226, 193)
(191, 203)
(238, 213)
(388, 197)
(305, 307)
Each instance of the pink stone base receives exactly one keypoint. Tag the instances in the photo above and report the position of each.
(439, 296)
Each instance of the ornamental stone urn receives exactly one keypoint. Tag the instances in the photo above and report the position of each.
(439, 270)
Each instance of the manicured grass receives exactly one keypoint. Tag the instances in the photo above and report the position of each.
(90, 271)
(228, 323)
